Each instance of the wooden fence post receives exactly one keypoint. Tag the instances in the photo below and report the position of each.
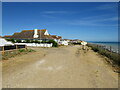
(110, 49)
(26, 47)
(16, 47)
(97, 46)
(3, 50)
(104, 47)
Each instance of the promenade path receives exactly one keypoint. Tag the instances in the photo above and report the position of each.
(64, 67)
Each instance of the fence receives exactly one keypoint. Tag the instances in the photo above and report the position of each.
(104, 47)
(11, 47)
(36, 44)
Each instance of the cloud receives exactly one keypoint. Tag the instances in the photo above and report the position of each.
(53, 12)
(105, 17)
(57, 12)
(97, 20)
(48, 16)
(107, 6)
(94, 22)
(111, 19)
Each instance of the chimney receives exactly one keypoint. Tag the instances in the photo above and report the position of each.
(35, 33)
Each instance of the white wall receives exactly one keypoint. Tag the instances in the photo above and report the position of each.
(63, 42)
(35, 44)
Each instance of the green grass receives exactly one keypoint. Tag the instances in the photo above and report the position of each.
(13, 53)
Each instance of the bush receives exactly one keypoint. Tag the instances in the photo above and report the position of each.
(12, 40)
(36, 41)
(18, 41)
(44, 42)
(55, 44)
(27, 41)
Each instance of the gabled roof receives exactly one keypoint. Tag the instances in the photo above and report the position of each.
(28, 34)
(56, 37)
(7, 36)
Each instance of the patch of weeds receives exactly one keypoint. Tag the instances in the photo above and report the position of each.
(31, 50)
(13, 53)
(22, 50)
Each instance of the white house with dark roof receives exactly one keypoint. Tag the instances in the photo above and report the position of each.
(35, 34)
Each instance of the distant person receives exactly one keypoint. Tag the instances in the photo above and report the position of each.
(83, 43)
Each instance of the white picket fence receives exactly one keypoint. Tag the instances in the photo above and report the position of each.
(35, 44)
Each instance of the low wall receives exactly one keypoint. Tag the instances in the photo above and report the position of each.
(35, 44)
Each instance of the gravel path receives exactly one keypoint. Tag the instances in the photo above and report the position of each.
(66, 67)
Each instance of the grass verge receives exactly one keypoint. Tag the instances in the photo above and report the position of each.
(12, 53)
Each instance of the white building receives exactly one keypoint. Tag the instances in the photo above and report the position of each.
(35, 34)
(63, 42)
(4, 42)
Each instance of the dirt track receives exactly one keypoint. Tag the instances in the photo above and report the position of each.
(67, 67)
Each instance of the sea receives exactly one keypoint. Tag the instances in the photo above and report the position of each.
(114, 45)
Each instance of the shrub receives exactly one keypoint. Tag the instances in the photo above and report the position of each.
(12, 40)
(36, 41)
(27, 41)
(44, 42)
(18, 41)
(55, 44)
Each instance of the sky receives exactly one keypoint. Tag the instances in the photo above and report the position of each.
(89, 21)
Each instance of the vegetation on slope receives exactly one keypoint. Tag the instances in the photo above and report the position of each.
(114, 57)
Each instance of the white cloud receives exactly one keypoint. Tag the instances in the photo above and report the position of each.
(107, 6)
(48, 16)
(93, 22)
(58, 12)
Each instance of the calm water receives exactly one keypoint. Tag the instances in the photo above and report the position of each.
(114, 45)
